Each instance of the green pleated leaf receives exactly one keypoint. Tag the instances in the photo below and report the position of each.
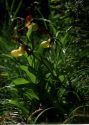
(30, 94)
(48, 64)
(20, 81)
(61, 77)
(29, 74)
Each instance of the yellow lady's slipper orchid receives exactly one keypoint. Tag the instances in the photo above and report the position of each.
(34, 26)
(18, 52)
(28, 25)
(47, 44)
(28, 21)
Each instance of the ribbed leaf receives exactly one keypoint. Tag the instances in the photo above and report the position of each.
(61, 77)
(31, 94)
(29, 74)
(20, 81)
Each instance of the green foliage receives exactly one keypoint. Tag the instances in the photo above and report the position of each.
(46, 78)
(31, 95)
(29, 32)
(29, 74)
(20, 81)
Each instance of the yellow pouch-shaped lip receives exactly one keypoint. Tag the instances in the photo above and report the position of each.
(46, 44)
(18, 52)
